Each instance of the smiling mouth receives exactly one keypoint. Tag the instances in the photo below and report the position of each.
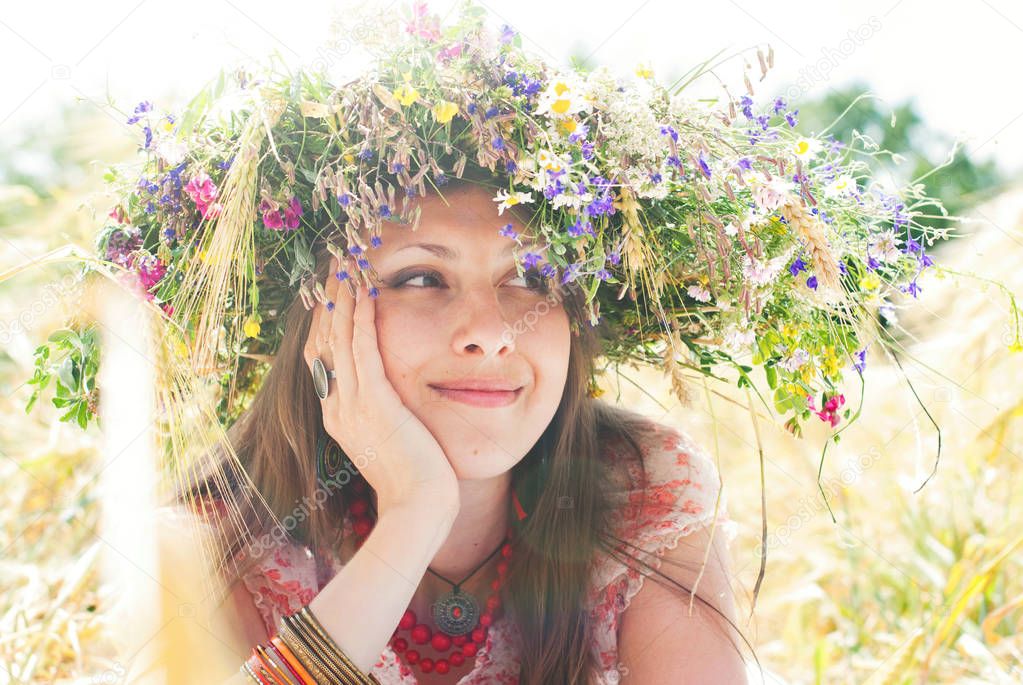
(479, 398)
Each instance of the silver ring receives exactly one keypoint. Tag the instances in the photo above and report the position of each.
(321, 378)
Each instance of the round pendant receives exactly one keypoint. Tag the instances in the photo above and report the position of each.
(319, 378)
(456, 613)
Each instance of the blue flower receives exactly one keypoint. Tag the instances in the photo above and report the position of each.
(510, 166)
(587, 150)
(791, 118)
(397, 168)
(376, 241)
(344, 199)
(507, 231)
(779, 105)
(655, 178)
(811, 282)
(614, 257)
(149, 137)
(471, 108)
(440, 179)
(491, 112)
(355, 250)
(498, 143)
(745, 164)
(365, 154)
(797, 266)
(669, 131)
(548, 271)
(362, 262)
(674, 161)
(385, 211)
(330, 305)
(872, 263)
(603, 274)
(342, 275)
(374, 291)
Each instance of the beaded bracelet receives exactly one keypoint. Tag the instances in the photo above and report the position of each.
(302, 653)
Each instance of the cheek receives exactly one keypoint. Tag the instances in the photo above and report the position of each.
(402, 359)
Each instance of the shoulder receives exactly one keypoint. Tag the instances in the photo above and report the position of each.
(671, 486)
(659, 497)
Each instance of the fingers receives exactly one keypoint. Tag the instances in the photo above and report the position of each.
(324, 309)
(369, 364)
(339, 334)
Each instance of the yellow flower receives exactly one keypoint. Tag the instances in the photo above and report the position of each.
(251, 326)
(406, 94)
(443, 111)
(596, 391)
(569, 126)
(644, 71)
(870, 281)
(830, 366)
(1016, 347)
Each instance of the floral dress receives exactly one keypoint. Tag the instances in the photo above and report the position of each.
(682, 485)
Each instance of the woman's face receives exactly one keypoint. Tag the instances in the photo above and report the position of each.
(457, 313)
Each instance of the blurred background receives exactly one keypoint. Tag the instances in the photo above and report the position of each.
(906, 585)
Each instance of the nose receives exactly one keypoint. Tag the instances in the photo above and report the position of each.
(482, 329)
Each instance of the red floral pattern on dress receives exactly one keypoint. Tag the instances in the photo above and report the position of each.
(681, 487)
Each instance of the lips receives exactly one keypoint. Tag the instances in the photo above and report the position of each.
(479, 392)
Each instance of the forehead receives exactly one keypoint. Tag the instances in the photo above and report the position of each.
(464, 211)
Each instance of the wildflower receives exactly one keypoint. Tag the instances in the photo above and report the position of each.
(797, 266)
(562, 98)
(510, 199)
(644, 71)
(811, 282)
(791, 118)
(861, 362)
(508, 232)
(444, 111)
(292, 213)
(795, 360)
(531, 259)
(507, 34)
(204, 194)
(884, 247)
(806, 148)
(704, 167)
(406, 94)
(842, 185)
(251, 326)
(699, 292)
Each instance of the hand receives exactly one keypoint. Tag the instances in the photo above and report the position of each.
(363, 413)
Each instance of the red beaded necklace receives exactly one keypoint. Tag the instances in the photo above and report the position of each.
(461, 629)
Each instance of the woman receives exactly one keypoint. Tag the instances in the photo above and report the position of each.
(441, 466)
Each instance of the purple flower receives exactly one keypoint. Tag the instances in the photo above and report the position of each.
(385, 211)
(614, 257)
(587, 150)
(342, 275)
(376, 241)
(872, 264)
(471, 108)
(510, 166)
(344, 199)
(655, 178)
(507, 231)
(745, 163)
(548, 271)
(779, 105)
(491, 112)
(791, 118)
(704, 167)
(570, 273)
(507, 34)
(746, 102)
(149, 137)
(440, 179)
(397, 168)
(862, 362)
(374, 291)
(603, 274)
(365, 154)
(141, 108)
(355, 250)
(797, 266)
(669, 131)
(498, 143)
(811, 282)
(530, 259)
(362, 262)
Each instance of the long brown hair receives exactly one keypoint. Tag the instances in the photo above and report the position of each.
(275, 440)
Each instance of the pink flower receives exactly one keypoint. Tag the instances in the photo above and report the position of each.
(292, 213)
(204, 193)
(422, 25)
(150, 271)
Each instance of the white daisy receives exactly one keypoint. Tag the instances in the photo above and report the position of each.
(510, 199)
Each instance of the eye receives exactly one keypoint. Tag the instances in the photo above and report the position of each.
(402, 280)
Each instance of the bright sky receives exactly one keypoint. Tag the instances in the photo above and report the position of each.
(958, 59)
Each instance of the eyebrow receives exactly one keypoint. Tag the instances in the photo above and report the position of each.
(445, 252)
